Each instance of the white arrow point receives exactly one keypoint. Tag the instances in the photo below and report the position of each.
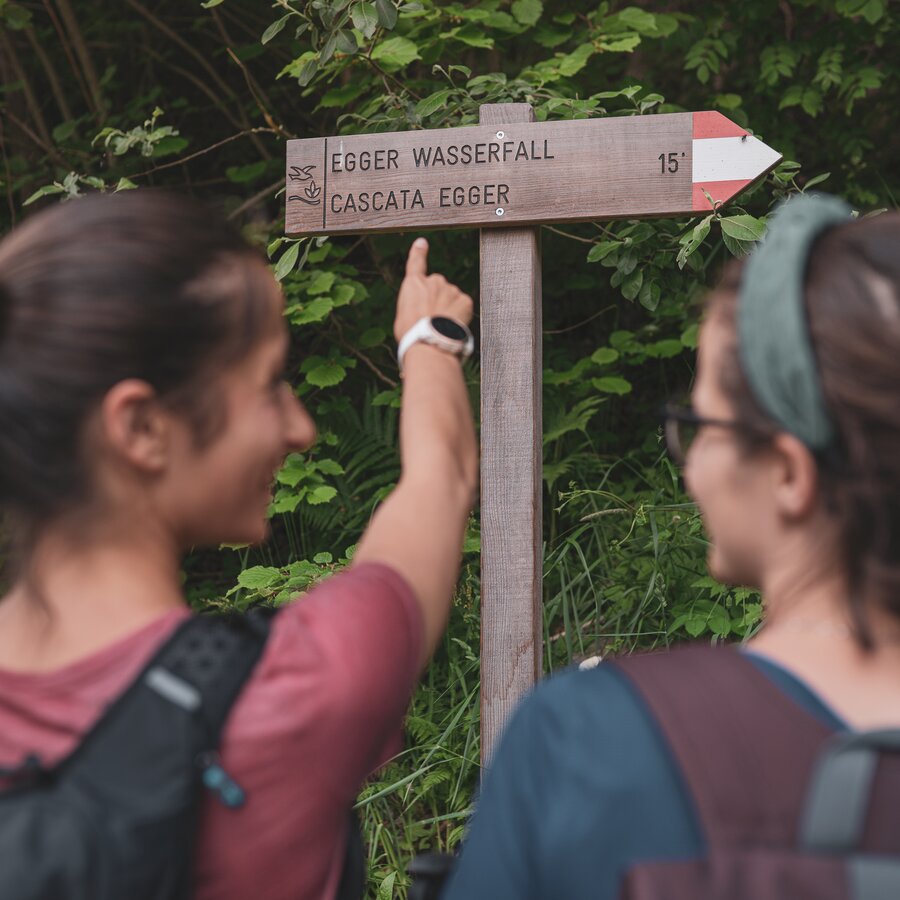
(731, 159)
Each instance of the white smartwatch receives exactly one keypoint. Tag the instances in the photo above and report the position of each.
(438, 331)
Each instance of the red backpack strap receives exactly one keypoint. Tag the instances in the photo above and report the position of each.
(744, 748)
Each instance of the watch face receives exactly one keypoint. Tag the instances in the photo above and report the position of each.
(448, 328)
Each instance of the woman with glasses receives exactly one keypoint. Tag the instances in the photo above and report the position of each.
(618, 781)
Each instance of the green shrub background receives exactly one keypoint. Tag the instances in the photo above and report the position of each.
(202, 96)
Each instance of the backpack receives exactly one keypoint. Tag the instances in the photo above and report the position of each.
(790, 809)
(117, 817)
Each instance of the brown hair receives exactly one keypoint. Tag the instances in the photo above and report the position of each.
(135, 285)
(852, 294)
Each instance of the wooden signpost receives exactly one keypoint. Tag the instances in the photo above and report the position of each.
(506, 175)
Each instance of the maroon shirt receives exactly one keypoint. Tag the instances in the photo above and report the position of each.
(322, 711)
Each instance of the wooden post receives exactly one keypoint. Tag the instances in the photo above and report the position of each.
(511, 428)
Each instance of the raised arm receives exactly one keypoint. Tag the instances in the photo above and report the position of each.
(418, 530)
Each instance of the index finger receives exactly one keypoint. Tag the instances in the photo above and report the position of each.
(417, 261)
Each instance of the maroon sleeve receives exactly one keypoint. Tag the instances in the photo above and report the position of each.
(334, 683)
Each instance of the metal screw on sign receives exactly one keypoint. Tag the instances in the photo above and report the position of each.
(500, 210)
(500, 135)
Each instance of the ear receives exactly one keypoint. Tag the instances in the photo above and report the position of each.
(135, 426)
(796, 477)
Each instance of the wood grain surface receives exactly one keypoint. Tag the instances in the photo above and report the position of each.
(531, 171)
(511, 427)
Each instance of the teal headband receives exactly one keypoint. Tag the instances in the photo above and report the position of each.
(773, 336)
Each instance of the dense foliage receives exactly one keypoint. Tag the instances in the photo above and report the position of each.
(202, 96)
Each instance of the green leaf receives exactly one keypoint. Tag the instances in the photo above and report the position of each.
(743, 227)
(345, 41)
(63, 132)
(816, 179)
(427, 105)
(396, 53)
(689, 336)
(243, 174)
(649, 295)
(314, 311)
(602, 250)
(474, 36)
(329, 467)
(257, 578)
(209, 4)
(365, 17)
(45, 191)
(632, 284)
(321, 494)
(612, 384)
(527, 12)
(125, 184)
(604, 356)
(665, 349)
(576, 60)
(372, 337)
(326, 373)
(323, 559)
(321, 283)
(736, 247)
(387, 398)
(343, 95)
(274, 28)
(692, 240)
(287, 261)
(387, 13)
(169, 145)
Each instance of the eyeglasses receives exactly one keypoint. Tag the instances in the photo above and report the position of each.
(682, 425)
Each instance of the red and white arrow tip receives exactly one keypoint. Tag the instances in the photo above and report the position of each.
(726, 159)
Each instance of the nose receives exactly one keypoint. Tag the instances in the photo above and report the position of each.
(299, 427)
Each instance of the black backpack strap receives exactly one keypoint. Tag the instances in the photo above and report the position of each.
(744, 748)
(205, 664)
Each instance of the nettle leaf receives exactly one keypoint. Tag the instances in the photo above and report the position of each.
(321, 494)
(473, 36)
(575, 61)
(329, 467)
(365, 17)
(395, 53)
(743, 227)
(257, 578)
(321, 283)
(612, 384)
(314, 311)
(527, 12)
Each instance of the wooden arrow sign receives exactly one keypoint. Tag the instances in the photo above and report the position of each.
(520, 174)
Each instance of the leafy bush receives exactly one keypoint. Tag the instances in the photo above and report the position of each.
(202, 96)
